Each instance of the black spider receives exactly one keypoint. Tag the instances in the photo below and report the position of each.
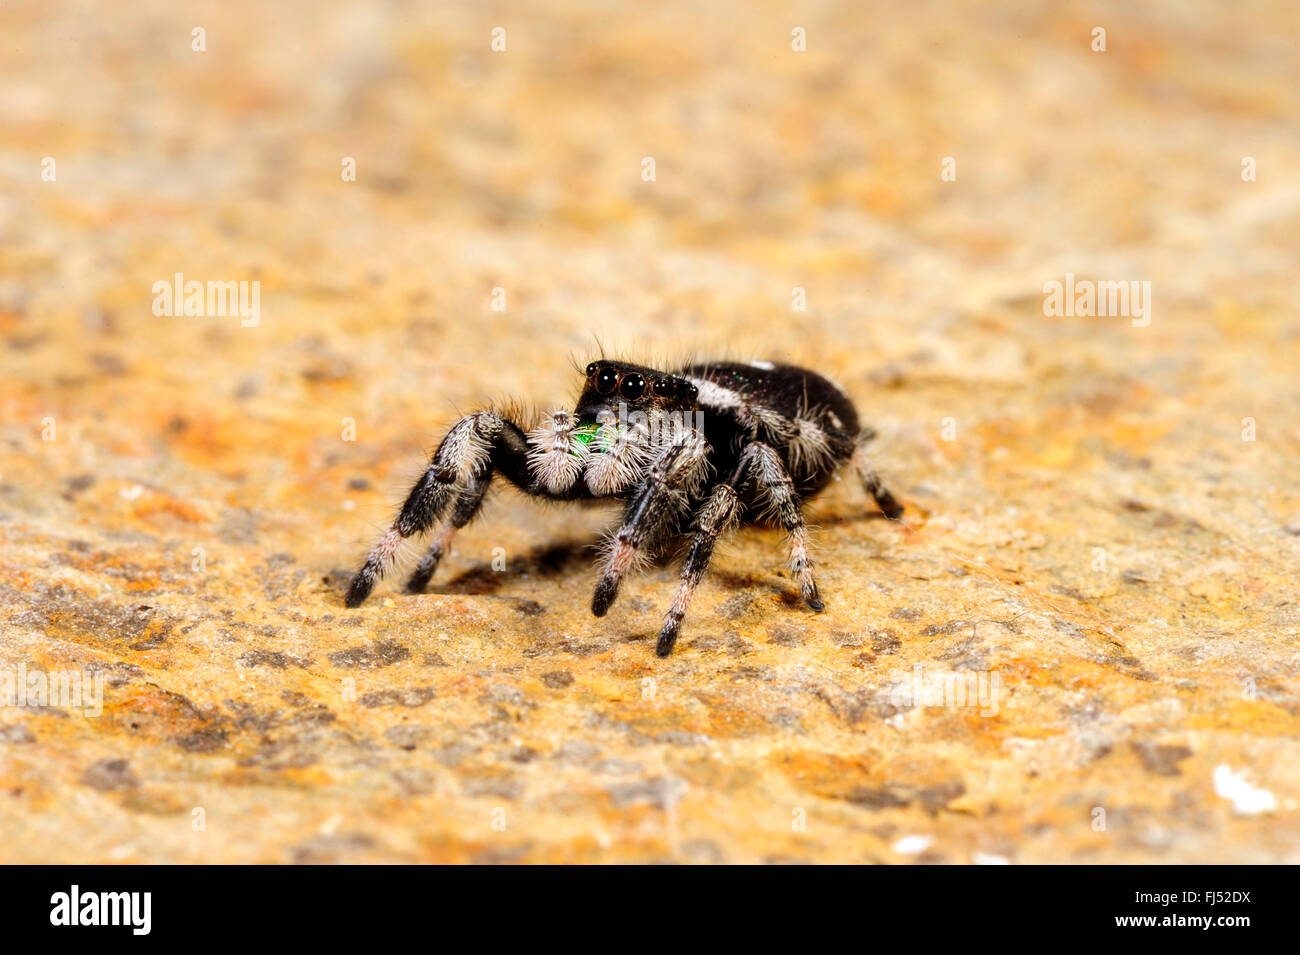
(690, 451)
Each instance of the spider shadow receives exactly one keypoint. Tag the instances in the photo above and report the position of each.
(786, 593)
(548, 561)
(552, 561)
(848, 520)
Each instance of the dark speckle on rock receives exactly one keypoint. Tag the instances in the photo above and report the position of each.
(932, 798)
(500, 855)
(1140, 576)
(79, 483)
(407, 737)
(661, 792)
(737, 606)
(885, 641)
(327, 849)
(108, 364)
(337, 579)
(944, 629)
(704, 851)
(1161, 759)
(502, 693)
(413, 780)
(500, 787)
(206, 740)
(453, 754)
(374, 656)
(412, 697)
(576, 751)
(558, 679)
(16, 733)
(64, 609)
(787, 720)
(966, 655)
(878, 798)
(110, 775)
(271, 658)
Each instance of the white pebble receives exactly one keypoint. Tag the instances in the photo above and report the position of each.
(912, 845)
(1247, 800)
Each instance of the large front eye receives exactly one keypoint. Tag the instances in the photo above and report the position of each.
(633, 387)
(606, 381)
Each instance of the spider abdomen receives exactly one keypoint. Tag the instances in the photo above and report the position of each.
(806, 419)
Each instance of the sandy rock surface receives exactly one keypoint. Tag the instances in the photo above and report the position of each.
(1079, 645)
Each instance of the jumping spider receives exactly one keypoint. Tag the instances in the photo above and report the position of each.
(689, 451)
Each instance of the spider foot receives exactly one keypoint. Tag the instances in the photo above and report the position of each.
(604, 596)
(668, 635)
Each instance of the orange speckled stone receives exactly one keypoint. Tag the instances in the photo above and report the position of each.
(1103, 518)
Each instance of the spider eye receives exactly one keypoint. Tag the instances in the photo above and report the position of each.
(591, 369)
(606, 381)
(663, 387)
(633, 387)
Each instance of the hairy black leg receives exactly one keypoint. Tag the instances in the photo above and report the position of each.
(474, 444)
(773, 482)
(463, 452)
(464, 510)
(884, 500)
(657, 502)
(718, 513)
(887, 503)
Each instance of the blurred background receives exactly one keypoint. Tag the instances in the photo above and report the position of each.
(799, 156)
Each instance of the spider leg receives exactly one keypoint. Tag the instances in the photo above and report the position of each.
(718, 513)
(871, 480)
(476, 445)
(773, 482)
(657, 503)
(462, 512)
(721, 511)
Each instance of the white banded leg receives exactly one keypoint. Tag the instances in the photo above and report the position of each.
(660, 499)
(464, 511)
(773, 484)
(871, 480)
(465, 452)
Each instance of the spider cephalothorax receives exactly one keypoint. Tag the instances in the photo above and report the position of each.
(691, 452)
